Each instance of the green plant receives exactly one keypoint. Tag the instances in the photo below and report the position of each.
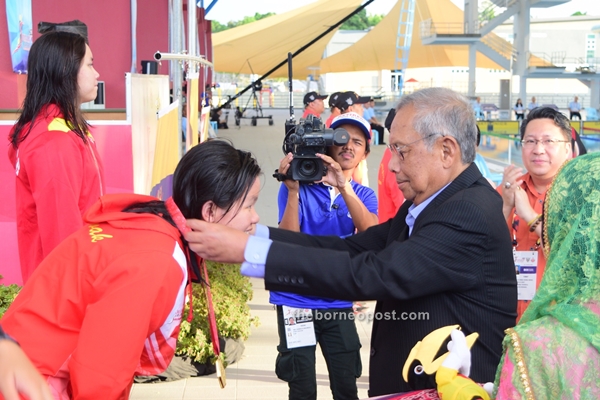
(7, 296)
(230, 293)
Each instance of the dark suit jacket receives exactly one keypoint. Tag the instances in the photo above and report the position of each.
(457, 268)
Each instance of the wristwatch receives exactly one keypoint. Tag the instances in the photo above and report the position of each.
(4, 335)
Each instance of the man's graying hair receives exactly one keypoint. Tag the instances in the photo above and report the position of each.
(443, 112)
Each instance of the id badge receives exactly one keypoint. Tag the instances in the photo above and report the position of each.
(299, 327)
(526, 269)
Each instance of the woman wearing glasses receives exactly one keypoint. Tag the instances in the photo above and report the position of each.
(546, 145)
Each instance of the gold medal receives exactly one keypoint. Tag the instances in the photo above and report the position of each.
(221, 374)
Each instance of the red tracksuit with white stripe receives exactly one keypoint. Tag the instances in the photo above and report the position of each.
(105, 305)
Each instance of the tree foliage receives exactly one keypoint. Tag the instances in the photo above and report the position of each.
(7, 296)
(218, 27)
(487, 11)
(579, 14)
(361, 21)
(231, 293)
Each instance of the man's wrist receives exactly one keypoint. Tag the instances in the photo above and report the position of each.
(345, 188)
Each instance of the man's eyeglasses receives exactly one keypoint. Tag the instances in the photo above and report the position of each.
(547, 143)
(399, 149)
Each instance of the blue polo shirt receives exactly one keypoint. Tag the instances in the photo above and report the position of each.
(321, 212)
(368, 113)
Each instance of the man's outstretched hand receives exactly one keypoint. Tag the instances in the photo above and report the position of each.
(216, 242)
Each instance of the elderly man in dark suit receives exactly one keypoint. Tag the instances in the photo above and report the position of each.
(444, 259)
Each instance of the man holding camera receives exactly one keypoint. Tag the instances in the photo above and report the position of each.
(336, 205)
(313, 104)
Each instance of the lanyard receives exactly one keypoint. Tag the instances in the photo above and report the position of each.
(212, 321)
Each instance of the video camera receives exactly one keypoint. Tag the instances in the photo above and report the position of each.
(304, 140)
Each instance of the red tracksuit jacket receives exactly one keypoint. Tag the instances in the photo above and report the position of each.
(58, 177)
(105, 304)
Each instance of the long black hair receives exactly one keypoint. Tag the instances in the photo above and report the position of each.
(211, 171)
(53, 66)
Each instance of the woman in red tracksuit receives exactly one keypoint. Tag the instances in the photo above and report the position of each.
(106, 304)
(58, 171)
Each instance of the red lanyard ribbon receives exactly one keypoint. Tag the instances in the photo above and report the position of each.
(212, 321)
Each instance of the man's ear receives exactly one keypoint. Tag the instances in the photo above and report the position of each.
(569, 149)
(208, 211)
(450, 151)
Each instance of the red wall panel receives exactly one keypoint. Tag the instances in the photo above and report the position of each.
(109, 29)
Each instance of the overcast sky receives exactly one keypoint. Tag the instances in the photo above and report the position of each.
(235, 10)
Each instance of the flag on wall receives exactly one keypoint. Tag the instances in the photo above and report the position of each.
(20, 32)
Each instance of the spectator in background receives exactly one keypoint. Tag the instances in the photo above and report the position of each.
(519, 110)
(351, 102)
(335, 111)
(59, 173)
(477, 108)
(206, 96)
(546, 146)
(313, 104)
(574, 109)
(533, 105)
(369, 115)
(389, 195)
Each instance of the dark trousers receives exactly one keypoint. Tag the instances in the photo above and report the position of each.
(575, 114)
(340, 345)
(380, 131)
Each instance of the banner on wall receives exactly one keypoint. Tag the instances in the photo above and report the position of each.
(192, 103)
(20, 32)
(166, 155)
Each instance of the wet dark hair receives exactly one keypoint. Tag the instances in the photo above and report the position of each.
(211, 171)
(560, 120)
(53, 66)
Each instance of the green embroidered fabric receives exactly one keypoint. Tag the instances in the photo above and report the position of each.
(555, 353)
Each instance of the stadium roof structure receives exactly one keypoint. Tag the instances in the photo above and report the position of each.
(259, 46)
(377, 49)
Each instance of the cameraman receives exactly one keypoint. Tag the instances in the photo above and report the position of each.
(339, 206)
